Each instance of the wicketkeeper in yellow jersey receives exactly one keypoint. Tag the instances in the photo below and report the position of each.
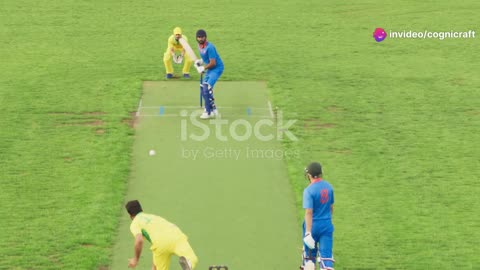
(176, 53)
(166, 239)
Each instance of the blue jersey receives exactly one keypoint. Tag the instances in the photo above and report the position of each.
(319, 197)
(210, 52)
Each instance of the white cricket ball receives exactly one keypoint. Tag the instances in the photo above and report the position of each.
(151, 152)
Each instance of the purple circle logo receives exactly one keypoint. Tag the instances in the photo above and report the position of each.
(379, 34)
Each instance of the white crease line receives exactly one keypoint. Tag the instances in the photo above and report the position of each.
(229, 116)
(270, 109)
(197, 107)
(139, 107)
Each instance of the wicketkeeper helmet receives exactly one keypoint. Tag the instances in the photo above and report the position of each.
(177, 30)
(314, 169)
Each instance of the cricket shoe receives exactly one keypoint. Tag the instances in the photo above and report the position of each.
(186, 75)
(205, 115)
(184, 263)
(169, 76)
(213, 114)
(308, 266)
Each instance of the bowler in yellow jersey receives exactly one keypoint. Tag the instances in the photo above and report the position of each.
(173, 48)
(166, 239)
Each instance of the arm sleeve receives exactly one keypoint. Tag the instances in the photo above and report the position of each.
(170, 43)
(307, 200)
(135, 229)
(211, 53)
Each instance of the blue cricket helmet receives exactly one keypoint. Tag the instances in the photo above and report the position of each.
(201, 33)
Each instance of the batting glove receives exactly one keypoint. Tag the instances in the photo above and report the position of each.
(200, 69)
(309, 241)
(198, 62)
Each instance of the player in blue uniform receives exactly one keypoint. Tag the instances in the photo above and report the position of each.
(318, 228)
(213, 69)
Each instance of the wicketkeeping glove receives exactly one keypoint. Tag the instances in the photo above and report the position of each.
(174, 58)
(309, 241)
(177, 59)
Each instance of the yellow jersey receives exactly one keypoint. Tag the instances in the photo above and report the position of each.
(172, 43)
(155, 229)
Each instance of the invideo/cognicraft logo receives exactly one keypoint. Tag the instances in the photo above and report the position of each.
(379, 34)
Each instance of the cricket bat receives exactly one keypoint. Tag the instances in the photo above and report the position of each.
(188, 49)
(194, 58)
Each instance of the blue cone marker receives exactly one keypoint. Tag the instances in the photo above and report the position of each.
(249, 111)
(162, 110)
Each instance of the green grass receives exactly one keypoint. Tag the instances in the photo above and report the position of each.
(395, 124)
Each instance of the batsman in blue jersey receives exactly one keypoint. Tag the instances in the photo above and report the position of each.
(213, 68)
(318, 228)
